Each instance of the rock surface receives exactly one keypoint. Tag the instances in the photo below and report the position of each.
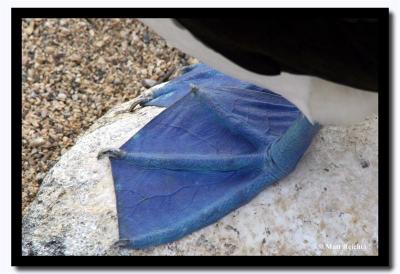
(328, 205)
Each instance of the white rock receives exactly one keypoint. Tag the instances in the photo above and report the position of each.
(61, 96)
(37, 142)
(328, 204)
(148, 83)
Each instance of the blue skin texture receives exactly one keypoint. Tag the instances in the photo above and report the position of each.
(213, 149)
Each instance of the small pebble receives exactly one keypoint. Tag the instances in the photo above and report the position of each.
(99, 44)
(40, 176)
(75, 58)
(146, 37)
(50, 50)
(33, 94)
(43, 114)
(148, 83)
(38, 142)
(29, 29)
(61, 96)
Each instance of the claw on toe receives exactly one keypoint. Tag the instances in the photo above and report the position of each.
(139, 102)
(110, 153)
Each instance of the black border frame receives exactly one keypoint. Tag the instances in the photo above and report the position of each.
(383, 259)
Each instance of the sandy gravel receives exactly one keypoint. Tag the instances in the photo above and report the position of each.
(73, 71)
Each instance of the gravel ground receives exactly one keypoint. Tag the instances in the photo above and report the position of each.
(73, 71)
